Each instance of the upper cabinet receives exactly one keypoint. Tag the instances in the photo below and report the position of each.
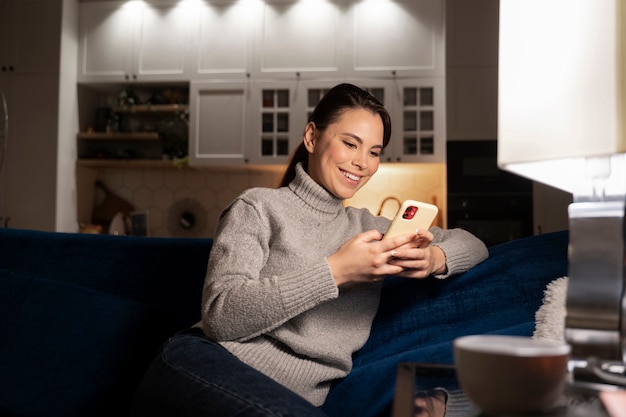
(222, 37)
(271, 39)
(24, 50)
(300, 39)
(134, 41)
(384, 38)
(403, 38)
(257, 68)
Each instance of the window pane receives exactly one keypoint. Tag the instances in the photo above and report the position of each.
(268, 122)
(267, 146)
(427, 145)
(282, 146)
(410, 96)
(426, 96)
(410, 121)
(268, 98)
(410, 145)
(282, 98)
(282, 122)
(426, 121)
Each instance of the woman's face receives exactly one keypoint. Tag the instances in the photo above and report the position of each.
(343, 158)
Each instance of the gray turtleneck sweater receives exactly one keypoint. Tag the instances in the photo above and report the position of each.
(269, 295)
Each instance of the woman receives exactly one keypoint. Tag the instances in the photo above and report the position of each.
(294, 278)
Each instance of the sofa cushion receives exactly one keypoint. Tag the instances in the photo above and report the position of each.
(62, 345)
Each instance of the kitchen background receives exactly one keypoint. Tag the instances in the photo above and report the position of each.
(233, 53)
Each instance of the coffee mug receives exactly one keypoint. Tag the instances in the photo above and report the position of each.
(508, 375)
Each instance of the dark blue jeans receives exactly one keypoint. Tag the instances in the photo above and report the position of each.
(195, 377)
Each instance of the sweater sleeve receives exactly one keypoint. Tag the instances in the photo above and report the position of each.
(241, 300)
(462, 249)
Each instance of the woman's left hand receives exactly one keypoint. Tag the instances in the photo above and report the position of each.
(418, 258)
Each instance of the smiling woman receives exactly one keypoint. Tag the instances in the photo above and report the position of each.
(294, 278)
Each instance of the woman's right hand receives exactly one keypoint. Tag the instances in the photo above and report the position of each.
(364, 258)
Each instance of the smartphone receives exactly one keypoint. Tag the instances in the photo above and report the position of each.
(412, 215)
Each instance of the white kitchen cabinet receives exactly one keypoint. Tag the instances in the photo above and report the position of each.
(276, 121)
(403, 38)
(135, 41)
(419, 120)
(222, 39)
(417, 108)
(24, 50)
(217, 123)
(300, 40)
(249, 122)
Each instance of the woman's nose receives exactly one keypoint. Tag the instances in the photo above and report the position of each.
(360, 160)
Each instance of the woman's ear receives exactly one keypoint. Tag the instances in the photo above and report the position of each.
(309, 137)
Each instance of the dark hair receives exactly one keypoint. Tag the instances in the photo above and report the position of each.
(335, 102)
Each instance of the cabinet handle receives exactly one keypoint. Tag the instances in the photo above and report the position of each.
(134, 76)
(126, 77)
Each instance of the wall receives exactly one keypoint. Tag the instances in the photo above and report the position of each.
(166, 193)
(68, 111)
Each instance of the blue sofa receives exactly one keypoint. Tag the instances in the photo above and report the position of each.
(81, 316)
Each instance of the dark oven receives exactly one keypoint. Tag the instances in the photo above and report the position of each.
(493, 204)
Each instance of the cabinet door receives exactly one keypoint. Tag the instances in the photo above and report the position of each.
(134, 41)
(22, 49)
(217, 123)
(300, 39)
(162, 47)
(277, 121)
(396, 37)
(106, 41)
(222, 40)
(418, 118)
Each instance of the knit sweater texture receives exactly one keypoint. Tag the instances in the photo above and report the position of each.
(269, 296)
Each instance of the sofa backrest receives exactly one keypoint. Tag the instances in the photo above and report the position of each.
(83, 315)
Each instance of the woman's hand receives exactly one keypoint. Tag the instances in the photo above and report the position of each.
(418, 258)
(365, 257)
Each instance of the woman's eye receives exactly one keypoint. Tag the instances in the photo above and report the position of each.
(350, 145)
(375, 154)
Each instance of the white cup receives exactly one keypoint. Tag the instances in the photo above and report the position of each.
(511, 374)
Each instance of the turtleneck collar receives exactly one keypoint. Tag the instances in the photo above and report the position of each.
(313, 194)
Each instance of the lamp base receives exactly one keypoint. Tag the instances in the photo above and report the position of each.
(595, 306)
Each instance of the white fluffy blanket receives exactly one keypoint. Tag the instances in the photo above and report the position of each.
(550, 317)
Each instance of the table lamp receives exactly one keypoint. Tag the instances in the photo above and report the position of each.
(562, 122)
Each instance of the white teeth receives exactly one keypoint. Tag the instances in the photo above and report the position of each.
(351, 176)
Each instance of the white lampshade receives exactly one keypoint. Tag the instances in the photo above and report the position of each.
(562, 93)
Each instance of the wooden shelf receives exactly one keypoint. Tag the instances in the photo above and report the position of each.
(152, 108)
(127, 163)
(118, 136)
